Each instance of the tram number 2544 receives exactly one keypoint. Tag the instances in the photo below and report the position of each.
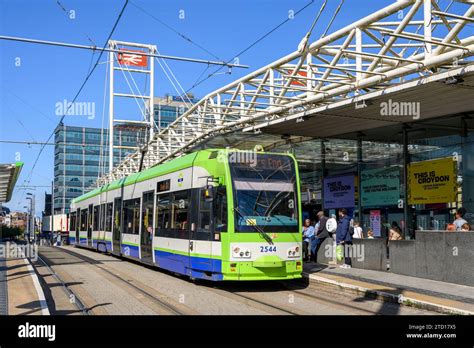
(268, 248)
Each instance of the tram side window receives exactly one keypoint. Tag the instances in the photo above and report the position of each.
(220, 205)
(108, 217)
(102, 217)
(162, 214)
(131, 216)
(90, 216)
(204, 212)
(95, 225)
(83, 222)
(180, 206)
(72, 221)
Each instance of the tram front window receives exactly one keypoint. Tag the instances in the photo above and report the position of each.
(265, 194)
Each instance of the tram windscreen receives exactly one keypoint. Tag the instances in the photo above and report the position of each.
(265, 192)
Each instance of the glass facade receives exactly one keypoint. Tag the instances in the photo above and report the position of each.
(81, 156)
(319, 160)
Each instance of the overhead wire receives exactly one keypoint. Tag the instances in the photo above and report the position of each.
(249, 47)
(186, 38)
(28, 180)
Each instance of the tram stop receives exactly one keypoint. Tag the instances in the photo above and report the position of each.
(402, 156)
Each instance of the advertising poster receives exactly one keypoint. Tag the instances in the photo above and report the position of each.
(375, 222)
(433, 181)
(338, 191)
(380, 186)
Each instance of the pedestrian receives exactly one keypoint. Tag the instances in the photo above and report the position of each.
(308, 234)
(343, 236)
(451, 227)
(321, 234)
(465, 227)
(459, 221)
(358, 234)
(395, 233)
(370, 233)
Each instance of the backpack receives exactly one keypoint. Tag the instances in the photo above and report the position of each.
(351, 230)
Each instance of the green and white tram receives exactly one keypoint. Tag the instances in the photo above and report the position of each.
(217, 214)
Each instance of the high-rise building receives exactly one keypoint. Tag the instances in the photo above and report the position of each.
(81, 153)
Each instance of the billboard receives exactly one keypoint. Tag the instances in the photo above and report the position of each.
(380, 186)
(433, 181)
(376, 222)
(338, 191)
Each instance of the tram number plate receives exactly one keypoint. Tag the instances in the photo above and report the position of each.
(268, 249)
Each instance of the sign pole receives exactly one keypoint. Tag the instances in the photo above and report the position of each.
(406, 161)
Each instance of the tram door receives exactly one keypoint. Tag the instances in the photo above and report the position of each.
(202, 231)
(78, 225)
(116, 225)
(89, 225)
(146, 233)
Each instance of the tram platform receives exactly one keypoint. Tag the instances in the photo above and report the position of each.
(442, 297)
(20, 290)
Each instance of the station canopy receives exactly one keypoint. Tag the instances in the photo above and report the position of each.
(444, 105)
(9, 174)
(439, 105)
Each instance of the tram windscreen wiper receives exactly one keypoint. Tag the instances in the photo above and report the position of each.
(257, 228)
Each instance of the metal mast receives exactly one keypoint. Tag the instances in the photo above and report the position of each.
(119, 64)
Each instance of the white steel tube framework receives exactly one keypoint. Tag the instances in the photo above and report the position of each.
(328, 71)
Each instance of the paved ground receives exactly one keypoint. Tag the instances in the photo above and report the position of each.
(23, 298)
(108, 285)
(458, 297)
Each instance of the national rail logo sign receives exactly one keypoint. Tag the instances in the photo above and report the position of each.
(126, 58)
(433, 181)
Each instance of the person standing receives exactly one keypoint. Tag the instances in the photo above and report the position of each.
(343, 236)
(358, 234)
(395, 233)
(308, 234)
(459, 221)
(321, 233)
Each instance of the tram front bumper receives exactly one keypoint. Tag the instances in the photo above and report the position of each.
(262, 269)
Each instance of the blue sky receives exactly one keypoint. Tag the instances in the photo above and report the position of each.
(47, 75)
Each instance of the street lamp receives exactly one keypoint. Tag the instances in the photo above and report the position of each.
(32, 214)
(27, 223)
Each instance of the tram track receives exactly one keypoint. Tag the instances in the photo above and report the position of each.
(246, 299)
(131, 283)
(317, 297)
(71, 294)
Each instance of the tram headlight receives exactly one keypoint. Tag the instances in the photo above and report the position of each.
(242, 253)
(294, 252)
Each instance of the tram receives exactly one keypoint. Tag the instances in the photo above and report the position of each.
(216, 214)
